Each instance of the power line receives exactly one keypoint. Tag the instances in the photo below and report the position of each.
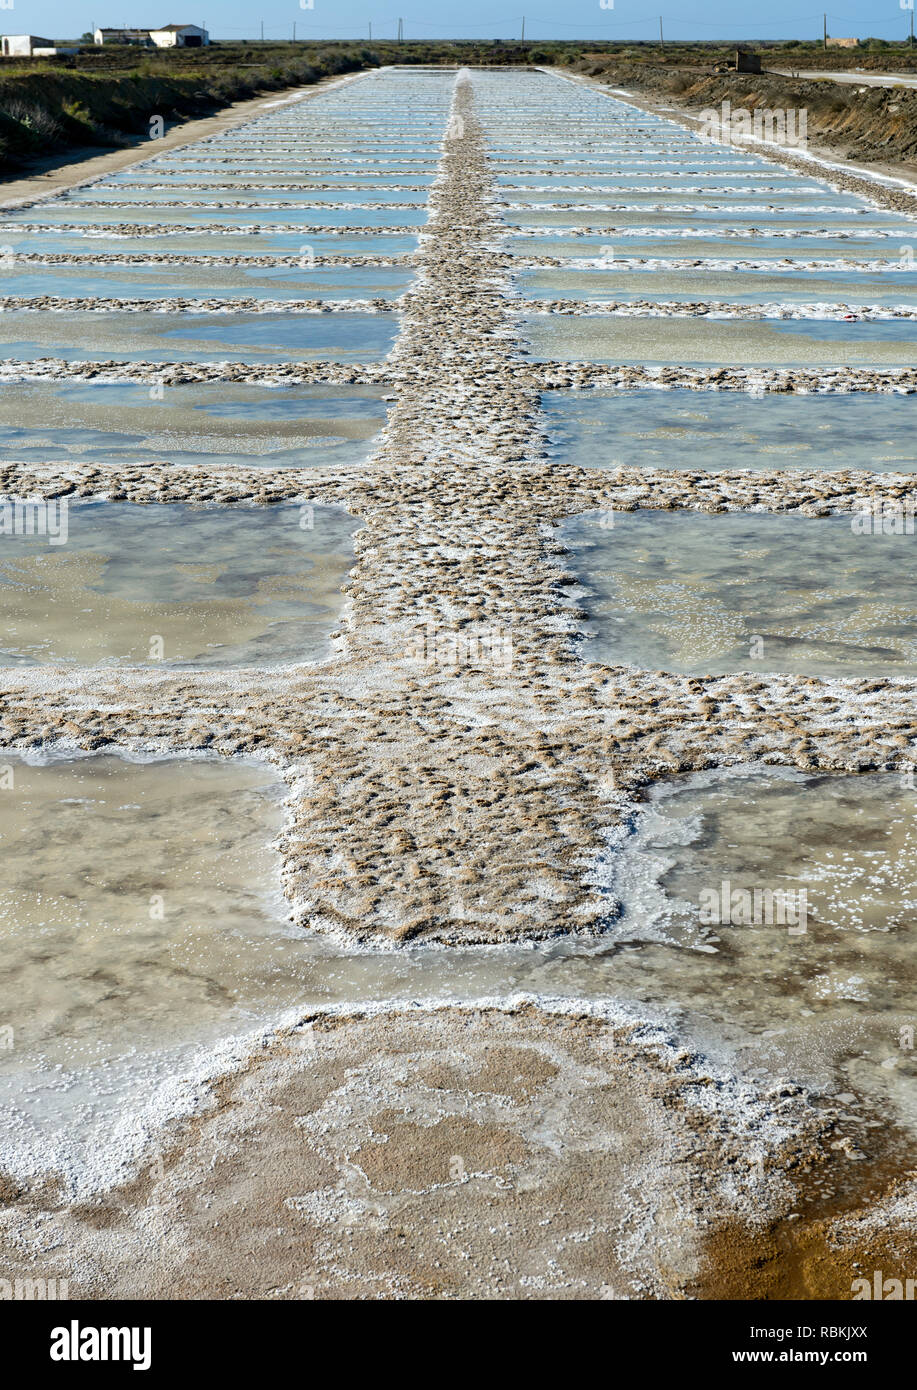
(871, 23)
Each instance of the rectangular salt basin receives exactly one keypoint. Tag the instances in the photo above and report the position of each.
(84, 336)
(266, 180)
(889, 288)
(185, 242)
(684, 243)
(777, 910)
(205, 282)
(722, 342)
(139, 901)
(271, 159)
(335, 150)
(621, 214)
(726, 184)
(702, 594)
(51, 214)
(206, 423)
(715, 430)
(168, 584)
(251, 199)
(680, 192)
(142, 922)
(358, 165)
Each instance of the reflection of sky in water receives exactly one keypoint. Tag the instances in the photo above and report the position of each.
(713, 430)
(800, 286)
(206, 282)
(251, 198)
(92, 217)
(691, 341)
(186, 243)
(709, 594)
(219, 586)
(699, 212)
(836, 992)
(197, 338)
(205, 423)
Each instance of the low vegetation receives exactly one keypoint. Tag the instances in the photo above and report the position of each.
(52, 107)
(866, 124)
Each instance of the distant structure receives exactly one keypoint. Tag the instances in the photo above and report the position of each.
(180, 36)
(30, 46)
(747, 62)
(742, 62)
(169, 36)
(139, 37)
(841, 43)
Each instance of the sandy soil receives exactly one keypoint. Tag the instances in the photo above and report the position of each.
(860, 79)
(458, 1153)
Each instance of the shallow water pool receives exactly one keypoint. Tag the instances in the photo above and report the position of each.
(703, 594)
(116, 583)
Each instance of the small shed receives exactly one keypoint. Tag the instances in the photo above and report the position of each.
(747, 62)
(26, 46)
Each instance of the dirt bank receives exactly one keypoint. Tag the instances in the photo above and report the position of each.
(49, 114)
(43, 178)
(867, 125)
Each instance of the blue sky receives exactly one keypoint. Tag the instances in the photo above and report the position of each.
(573, 19)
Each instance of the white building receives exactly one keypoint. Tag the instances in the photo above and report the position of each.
(180, 36)
(26, 46)
(134, 36)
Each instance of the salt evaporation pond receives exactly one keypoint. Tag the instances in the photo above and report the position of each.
(789, 287)
(210, 424)
(156, 922)
(206, 282)
(675, 213)
(702, 594)
(710, 341)
(157, 939)
(187, 337)
(182, 240)
(92, 219)
(852, 244)
(816, 977)
(172, 585)
(248, 199)
(714, 430)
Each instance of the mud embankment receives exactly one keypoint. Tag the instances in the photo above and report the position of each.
(46, 112)
(865, 124)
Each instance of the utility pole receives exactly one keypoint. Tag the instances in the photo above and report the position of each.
(400, 30)
(912, 28)
(824, 25)
(294, 30)
(523, 28)
(661, 39)
(370, 31)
